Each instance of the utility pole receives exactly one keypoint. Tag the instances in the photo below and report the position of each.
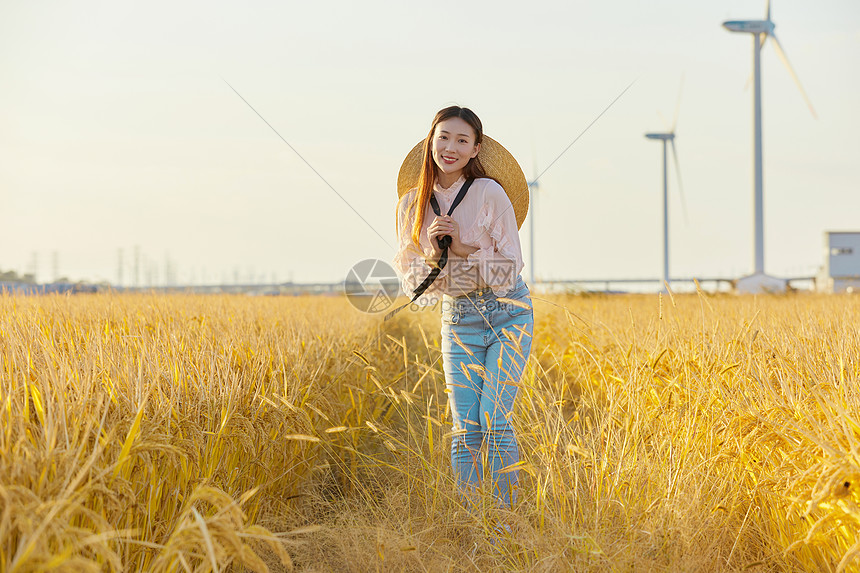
(137, 266)
(119, 268)
(167, 274)
(34, 266)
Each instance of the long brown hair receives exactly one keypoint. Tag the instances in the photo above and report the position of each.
(427, 179)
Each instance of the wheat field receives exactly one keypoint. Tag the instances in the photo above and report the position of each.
(228, 433)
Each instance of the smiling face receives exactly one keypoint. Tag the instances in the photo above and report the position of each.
(453, 146)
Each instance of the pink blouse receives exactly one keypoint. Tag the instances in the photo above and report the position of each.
(486, 220)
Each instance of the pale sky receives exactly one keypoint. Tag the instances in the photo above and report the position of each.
(117, 130)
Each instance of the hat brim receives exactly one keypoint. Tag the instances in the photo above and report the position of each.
(498, 163)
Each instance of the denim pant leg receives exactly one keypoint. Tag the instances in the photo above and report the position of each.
(505, 363)
(463, 345)
(477, 332)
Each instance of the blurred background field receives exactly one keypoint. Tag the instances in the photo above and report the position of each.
(230, 433)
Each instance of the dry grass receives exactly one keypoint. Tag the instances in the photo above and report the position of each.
(191, 433)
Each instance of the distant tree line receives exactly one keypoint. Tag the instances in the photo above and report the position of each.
(13, 277)
(28, 278)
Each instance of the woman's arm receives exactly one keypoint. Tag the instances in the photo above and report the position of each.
(449, 226)
(462, 250)
(499, 263)
(412, 262)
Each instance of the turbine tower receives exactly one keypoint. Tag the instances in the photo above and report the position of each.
(669, 137)
(534, 185)
(761, 30)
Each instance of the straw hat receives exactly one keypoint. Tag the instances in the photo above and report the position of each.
(498, 163)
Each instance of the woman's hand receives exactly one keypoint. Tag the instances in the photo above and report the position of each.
(440, 227)
(458, 247)
(445, 225)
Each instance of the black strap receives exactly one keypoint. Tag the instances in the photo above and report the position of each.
(444, 242)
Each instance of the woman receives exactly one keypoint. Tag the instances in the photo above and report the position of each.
(487, 320)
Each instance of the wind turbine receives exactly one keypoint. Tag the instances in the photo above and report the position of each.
(669, 136)
(534, 185)
(761, 30)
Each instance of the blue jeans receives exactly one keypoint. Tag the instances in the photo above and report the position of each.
(485, 345)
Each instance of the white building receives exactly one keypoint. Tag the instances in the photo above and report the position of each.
(841, 270)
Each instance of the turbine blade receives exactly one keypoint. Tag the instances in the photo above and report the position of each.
(680, 185)
(533, 181)
(663, 120)
(781, 53)
(768, 11)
